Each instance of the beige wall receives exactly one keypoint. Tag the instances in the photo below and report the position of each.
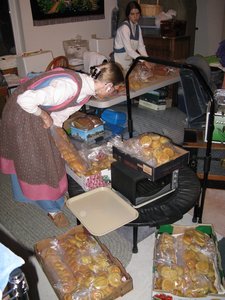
(50, 37)
(209, 20)
(210, 24)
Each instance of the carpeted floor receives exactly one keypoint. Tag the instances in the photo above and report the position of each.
(170, 122)
(28, 224)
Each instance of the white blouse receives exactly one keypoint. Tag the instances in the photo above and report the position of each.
(122, 39)
(57, 92)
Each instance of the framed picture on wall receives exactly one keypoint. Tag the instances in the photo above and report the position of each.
(47, 12)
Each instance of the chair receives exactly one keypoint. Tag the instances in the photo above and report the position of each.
(59, 61)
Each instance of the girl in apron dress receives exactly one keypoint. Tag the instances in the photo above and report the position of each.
(27, 151)
(128, 43)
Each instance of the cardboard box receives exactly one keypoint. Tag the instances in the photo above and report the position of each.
(82, 134)
(101, 179)
(153, 173)
(157, 96)
(87, 135)
(69, 252)
(147, 104)
(176, 230)
(33, 62)
(219, 128)
(154, 100)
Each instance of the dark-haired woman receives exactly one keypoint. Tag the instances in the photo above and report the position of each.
(128, 42)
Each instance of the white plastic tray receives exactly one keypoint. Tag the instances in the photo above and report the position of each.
(101, 210)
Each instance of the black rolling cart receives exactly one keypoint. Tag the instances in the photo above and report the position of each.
(193, 81)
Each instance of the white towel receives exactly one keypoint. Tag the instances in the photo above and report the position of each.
(9, 261)
(92, 59)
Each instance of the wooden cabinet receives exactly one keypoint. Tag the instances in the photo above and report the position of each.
(197, 148)
(169, 48)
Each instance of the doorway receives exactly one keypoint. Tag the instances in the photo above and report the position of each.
(7, 43)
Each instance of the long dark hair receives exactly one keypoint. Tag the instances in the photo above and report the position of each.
(131, 5)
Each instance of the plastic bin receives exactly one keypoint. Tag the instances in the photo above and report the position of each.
(115, 129)
(114, 117)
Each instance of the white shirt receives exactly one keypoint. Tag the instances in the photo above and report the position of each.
(57, 92)
(122, 39)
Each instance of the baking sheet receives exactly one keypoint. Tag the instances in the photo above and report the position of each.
(101, 210)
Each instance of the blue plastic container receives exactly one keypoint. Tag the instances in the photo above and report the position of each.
(114, 117)
(115, 129)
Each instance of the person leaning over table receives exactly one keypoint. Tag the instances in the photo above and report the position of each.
(128, 42)
(27, 151)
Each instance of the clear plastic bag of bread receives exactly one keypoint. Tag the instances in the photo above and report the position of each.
(140, 75)
(153, 148)
(186, 265)
(63, 279)
(196, 251)
(165, 249)
(99, 158)
(68, 151)
(79, 267)
(161, 70)
(143, 72)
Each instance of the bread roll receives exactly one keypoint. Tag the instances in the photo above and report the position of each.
(68, 152)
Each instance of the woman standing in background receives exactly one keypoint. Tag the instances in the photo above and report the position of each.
(128, 43)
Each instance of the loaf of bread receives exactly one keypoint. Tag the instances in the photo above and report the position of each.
(68, 151)
(83, 123)
(86, 122)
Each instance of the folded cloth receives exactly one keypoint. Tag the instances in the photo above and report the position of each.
(9, 261)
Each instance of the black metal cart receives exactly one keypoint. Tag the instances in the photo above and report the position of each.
(195, 82)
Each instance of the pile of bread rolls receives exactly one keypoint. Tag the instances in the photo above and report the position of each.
(152, 148)
(80, 269)
(185, 264)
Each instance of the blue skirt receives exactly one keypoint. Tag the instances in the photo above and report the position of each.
(49, 206)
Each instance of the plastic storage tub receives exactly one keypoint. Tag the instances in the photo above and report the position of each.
(114, 117)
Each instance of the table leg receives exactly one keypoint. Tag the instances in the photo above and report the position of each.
(135, 233)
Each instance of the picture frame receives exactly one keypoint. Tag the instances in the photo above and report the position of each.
(47, 12)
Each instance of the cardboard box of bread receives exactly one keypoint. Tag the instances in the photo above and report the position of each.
(79, 266)
(84, 127)
(186, 264)
(153, 154)
(98, 172)
(89, 167)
